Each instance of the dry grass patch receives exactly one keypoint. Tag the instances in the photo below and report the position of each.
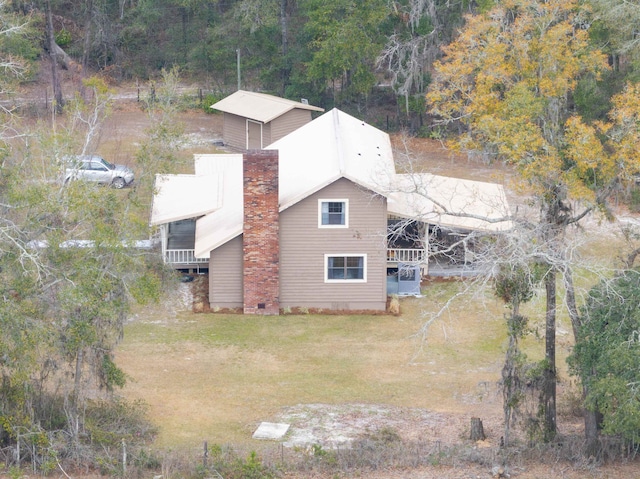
(215, 377)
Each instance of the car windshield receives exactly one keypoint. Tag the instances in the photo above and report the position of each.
(111, 166)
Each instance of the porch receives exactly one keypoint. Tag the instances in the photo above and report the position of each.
(178, 254)
(178, 241)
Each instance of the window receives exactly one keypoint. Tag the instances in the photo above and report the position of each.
(333, 213)
(345, 268)
(407, 274)
(97, 166)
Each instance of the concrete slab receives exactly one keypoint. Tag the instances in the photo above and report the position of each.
(271, 430)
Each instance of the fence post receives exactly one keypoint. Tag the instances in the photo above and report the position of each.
(205, 455)
(124, 457)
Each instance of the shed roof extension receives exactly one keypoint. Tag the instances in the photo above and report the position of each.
(450, 202)
(174, 197)
(259, 106)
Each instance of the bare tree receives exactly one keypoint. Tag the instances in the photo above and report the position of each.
(53, 53)
(408, 54)
(515, 261)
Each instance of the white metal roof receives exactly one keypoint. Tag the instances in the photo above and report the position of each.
(451, 202)
(224, 224)
(259, 106)
(333, 146)
(215, 164)
(178, 197)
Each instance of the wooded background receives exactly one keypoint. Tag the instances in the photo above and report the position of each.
(351, 54)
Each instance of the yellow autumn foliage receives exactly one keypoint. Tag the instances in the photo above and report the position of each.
(509, 77)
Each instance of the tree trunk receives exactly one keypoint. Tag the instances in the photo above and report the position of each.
(591, 429)
(509, 387)
(284, 27)
(86, 48)
(477, 431)
(55, 80)
(549, 387)
(510, 379)
(88, 23)
(74, 409)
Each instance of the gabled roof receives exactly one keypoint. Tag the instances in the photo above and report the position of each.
(333, 146)
(259, 106)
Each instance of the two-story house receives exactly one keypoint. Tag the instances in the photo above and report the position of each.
(303, 223)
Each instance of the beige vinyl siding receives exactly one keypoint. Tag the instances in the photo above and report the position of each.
(234, 131)
(266, 134)
(234, 128)
(225, 275)
(303, 246)
(285, 124)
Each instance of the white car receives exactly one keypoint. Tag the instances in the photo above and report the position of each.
(95, 168)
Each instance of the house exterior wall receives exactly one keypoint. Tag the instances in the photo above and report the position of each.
(285, 124)
(303, 246)
(225, 275)
(234, 128)
(234, 131)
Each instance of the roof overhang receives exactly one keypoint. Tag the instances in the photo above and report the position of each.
(179, 197)
(450, 202)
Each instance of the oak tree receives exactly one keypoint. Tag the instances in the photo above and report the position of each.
(507, 83)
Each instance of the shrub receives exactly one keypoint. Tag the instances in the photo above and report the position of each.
(210, 99)
(63, 37)
(228, 464)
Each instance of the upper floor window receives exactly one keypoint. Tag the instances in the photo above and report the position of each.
(333, 213)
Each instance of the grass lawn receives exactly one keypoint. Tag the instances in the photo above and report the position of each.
(215, 377)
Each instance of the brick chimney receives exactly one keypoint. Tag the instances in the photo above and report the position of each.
(260, 242)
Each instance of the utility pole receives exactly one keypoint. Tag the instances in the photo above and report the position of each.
(238, 62)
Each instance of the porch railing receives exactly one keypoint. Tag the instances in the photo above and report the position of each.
(406, 255)
(182, 256)
(398, 255)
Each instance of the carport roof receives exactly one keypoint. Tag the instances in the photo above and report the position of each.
(450, 202)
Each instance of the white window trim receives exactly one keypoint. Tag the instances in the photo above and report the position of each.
(334, 200)
(246, 139)
(344, 255)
